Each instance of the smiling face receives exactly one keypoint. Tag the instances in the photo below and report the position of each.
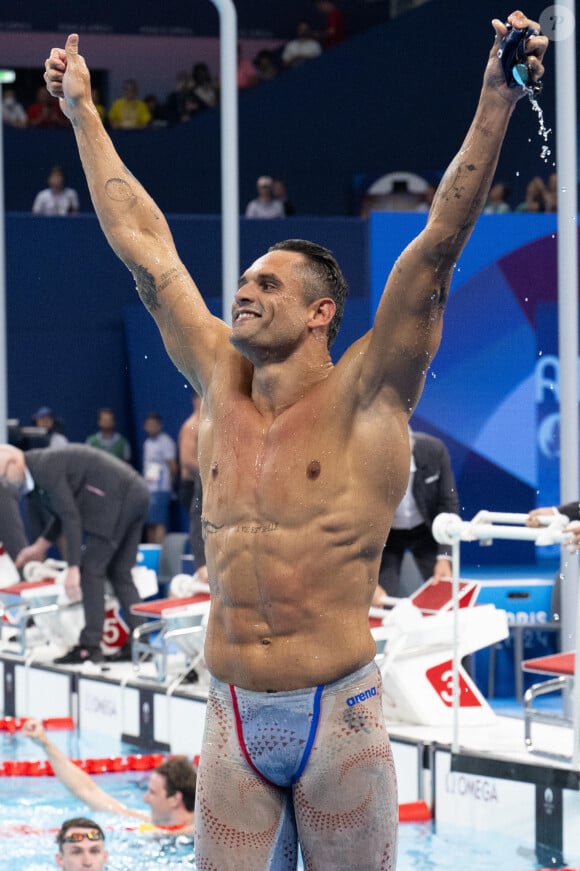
(271, 311)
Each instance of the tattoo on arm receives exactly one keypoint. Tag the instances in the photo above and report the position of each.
(146, 287)
(168, 277)
(456, 187)
(120, 191)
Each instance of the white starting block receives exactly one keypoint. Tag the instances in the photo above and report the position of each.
(415, 654)
(42, 598)
(176, 621)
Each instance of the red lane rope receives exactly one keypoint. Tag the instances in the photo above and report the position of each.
(15, 724)
(103, 765)
(414, 812)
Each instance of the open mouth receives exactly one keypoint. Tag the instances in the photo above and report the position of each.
(245, 316)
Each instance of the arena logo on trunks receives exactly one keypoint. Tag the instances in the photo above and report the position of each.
(361, 697)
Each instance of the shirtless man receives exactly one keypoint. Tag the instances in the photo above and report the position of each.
(303, 463)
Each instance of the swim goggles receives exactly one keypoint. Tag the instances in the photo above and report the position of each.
(77, 837)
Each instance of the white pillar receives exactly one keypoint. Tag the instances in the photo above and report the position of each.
(229, 154)
(6, 77)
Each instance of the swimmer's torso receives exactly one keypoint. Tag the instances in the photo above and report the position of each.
(296, 510)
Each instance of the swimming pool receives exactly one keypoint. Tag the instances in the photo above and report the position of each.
(33, 808)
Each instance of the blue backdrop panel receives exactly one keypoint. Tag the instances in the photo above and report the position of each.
(480, 390)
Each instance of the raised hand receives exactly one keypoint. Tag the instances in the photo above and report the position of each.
(67, 76)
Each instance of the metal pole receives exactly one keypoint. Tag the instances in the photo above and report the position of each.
(229, 154)
(566, 159)
(455, 564)
(6, 77)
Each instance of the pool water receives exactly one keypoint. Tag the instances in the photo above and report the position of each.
(33, 808)
(423, 849)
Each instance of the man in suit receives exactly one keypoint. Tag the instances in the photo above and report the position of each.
(99, 504)
(430, 491)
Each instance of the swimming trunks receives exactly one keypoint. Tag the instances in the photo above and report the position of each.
(311, 765)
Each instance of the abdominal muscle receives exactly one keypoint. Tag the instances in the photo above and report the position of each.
(290, 610)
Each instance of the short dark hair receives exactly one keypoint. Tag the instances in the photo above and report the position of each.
(326, 273)
(77, 823)
(179, 776)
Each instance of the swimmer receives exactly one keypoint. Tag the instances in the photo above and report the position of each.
(303, 462)
(170, 794)
(81, 846)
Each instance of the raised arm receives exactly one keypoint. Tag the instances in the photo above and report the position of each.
(407, 328)
(74, 778)
(135, 227)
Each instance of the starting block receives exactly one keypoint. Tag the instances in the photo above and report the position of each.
(43, 599)
(176, 621)
(558, 670)
(38, 600)
(415, 654)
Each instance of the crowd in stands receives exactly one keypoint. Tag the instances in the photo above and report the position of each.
(198, 90)
(195, 91)
(541, 196)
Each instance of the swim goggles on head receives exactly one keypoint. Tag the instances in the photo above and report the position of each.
(77, 837)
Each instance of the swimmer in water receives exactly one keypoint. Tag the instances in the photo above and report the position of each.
(170, 793)
(303, 462)
(81, 846)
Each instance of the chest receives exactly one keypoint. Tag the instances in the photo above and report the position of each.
(290, 459)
